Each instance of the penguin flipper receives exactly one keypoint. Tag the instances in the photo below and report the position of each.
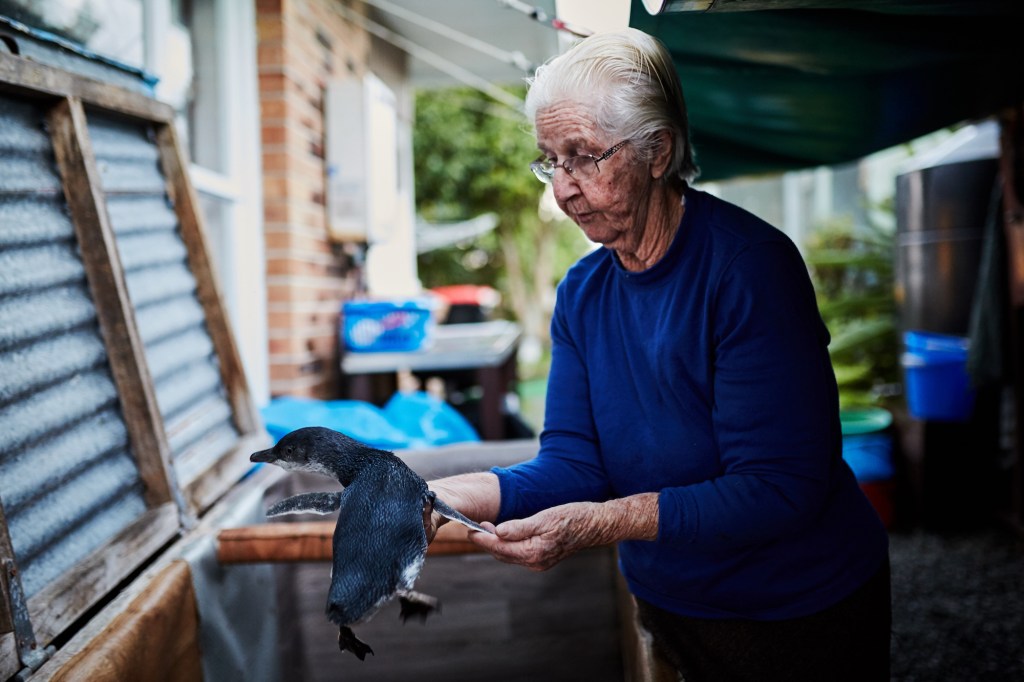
(306, 503)
(347, 640)
(454, 515)
(416, 604)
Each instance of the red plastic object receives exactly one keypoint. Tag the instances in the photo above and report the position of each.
(468, 294)
(880, 495)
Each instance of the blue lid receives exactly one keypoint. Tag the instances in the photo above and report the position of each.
(935, 343)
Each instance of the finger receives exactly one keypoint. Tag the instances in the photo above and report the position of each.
(485, 540)
(513, 553)
(513, 531)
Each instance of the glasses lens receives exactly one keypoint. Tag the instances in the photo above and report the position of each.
(581, 166)
(544, 170)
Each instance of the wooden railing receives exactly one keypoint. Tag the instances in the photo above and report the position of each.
(311, 541)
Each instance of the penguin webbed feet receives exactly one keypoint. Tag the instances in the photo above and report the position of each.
(347, 640)
(417, 605)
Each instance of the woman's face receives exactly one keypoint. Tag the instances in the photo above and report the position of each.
(610, 206)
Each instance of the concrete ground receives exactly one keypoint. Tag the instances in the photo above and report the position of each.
(958, 605)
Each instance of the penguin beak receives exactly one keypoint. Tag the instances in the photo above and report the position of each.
(263, 456)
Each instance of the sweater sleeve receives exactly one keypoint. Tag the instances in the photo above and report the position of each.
(567, 467)
(774, 411)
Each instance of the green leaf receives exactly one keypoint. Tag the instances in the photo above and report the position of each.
(860, 332)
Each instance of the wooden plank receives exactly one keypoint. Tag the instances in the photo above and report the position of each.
(224, 470)
(193, 232)
(311, 541)
(9, 662)
(6, 552)
(29, 78)
(98, 248)
(71, 595)
(165, 613)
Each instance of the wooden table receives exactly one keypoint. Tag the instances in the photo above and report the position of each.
(486, 348)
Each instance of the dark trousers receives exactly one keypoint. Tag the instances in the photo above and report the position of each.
(847, 641)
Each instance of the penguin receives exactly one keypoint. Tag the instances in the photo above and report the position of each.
(379, 541)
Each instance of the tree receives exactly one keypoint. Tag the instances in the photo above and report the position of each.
(471, 156)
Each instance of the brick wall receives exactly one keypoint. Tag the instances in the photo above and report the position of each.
(303, 44)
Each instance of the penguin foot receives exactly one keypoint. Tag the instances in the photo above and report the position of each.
(348, 640)
(417, 604)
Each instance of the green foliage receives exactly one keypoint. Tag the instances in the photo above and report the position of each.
(471, 156)
(852, 270)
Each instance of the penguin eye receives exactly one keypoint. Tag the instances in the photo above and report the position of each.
(288, 450)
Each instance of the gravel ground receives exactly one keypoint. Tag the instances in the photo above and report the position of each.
(958, 606)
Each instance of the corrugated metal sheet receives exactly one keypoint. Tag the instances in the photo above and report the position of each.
(180, 354)
(68, 481)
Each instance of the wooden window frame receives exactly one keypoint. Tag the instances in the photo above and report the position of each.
(172, 505)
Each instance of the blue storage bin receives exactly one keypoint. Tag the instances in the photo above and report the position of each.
(387, 326)
(935, 377)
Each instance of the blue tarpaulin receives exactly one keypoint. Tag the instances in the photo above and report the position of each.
(408, 421)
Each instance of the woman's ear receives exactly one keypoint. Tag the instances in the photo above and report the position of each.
(662, 157)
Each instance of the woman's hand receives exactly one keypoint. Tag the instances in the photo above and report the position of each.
(546, 538)
(476, 495)
(542, 540)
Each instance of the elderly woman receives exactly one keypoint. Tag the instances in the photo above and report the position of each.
(692, 411)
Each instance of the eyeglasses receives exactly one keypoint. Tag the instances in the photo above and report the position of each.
(579, 167)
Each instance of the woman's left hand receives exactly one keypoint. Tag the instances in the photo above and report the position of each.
(544, 539)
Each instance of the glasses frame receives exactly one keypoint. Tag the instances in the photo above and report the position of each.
(545, 168)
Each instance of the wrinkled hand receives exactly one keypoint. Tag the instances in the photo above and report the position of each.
(546, 538)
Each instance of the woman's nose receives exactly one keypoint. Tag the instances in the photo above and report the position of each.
(564, 185)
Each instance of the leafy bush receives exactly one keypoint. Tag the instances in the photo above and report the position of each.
(852, 271)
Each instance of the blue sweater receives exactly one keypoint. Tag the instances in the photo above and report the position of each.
(706, 378)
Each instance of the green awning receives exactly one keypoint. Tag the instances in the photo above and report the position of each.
(808, 82)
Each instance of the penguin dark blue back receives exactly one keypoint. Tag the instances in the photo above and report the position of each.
(382, 515)
(379, 540)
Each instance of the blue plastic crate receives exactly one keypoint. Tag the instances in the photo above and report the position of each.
(387, 326)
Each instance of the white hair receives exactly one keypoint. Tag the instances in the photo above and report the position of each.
(628, 81)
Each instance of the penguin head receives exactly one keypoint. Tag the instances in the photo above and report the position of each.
(306, 449)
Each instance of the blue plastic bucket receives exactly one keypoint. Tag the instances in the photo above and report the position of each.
(935, 373)
(867, 444)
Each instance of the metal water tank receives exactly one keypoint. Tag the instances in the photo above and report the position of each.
(942, 202)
